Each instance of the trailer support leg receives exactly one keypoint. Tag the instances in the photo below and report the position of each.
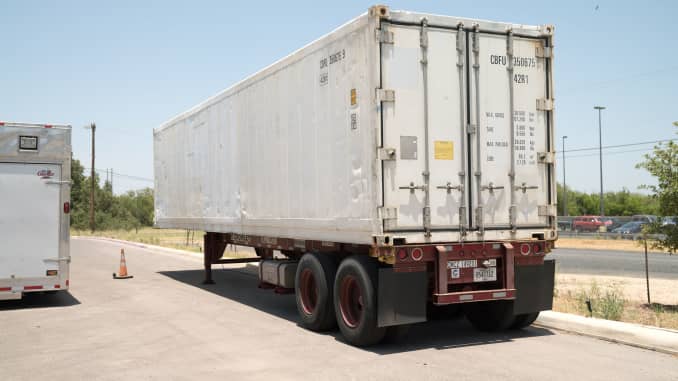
(207, 252)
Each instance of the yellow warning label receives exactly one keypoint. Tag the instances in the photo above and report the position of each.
(443, 150)
(354, 97)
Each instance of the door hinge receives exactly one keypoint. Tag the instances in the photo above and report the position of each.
(389, 216)
(386, 153)
(384, 36)
(385, 95)
(543, 52)
(544, 104)
(547, 210)
(546, 157)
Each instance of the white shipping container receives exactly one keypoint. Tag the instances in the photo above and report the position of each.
(395, 126)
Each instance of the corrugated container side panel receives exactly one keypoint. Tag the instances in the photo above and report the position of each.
(284, 154)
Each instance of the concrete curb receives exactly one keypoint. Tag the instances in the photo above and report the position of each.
(652, 338)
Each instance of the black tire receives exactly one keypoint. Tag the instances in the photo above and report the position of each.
(490, 316)
(314, 296)
(524, 320)
(355, 301)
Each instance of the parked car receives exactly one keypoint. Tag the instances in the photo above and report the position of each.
(669, 220)
(632, 227)
(647, 218)
(590, 223)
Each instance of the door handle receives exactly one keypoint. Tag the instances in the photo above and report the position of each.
(413, 187)
(449, 187)
(491, 187)
(524, 187)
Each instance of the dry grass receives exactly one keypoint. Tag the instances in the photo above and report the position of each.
(172, 238)
(603, 244)
(617, 298)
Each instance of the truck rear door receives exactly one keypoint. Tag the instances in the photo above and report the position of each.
(466, 114)
(510, 160)
(423, 120)
(30, 214)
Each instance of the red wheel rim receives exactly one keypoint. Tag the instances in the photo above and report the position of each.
(309, 291)
(351, 301)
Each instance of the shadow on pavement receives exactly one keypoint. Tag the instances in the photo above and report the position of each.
(40, 300)
(240, 285)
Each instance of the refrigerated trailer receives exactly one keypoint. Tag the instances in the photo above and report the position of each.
(400, 162)
(35, 173)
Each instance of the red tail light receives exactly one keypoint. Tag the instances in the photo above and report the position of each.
(536, 248)
(525, 249)
(417, 254)
(67, 207)
(402, 254)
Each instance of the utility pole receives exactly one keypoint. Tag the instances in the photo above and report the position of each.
(564, 183)
(600, 154)
(92, 226)
(111, 180)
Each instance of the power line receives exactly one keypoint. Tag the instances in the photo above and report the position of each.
(608, 153)
(619, 145)
(124, 175)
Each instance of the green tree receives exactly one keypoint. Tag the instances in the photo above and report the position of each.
(662, 163)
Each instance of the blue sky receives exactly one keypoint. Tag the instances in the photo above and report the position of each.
(130, 65)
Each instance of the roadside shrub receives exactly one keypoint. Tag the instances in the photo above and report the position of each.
(606, 304)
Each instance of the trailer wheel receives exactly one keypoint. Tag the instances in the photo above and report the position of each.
(313, 286)
(524, 320)
(355, 301)
(490, 316)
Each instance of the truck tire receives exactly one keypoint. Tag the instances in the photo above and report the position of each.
(490, 316)
(313, 285)
(355, 301)
(524, 320)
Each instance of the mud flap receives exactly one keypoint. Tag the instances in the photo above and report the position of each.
(534, 287)
(401, 297)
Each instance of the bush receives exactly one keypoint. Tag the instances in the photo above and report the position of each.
(607, 304)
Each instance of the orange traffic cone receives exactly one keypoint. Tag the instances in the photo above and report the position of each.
(123, 267)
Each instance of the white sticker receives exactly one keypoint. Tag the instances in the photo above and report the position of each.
(462, 264)
(454, 273)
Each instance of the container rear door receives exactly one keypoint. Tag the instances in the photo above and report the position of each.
(506, 86)
(30, 211)
(423, 121)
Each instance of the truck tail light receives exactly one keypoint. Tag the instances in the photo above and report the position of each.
(67, 207)
(536, 248)
(525, 249)
(417, 254)
(52, 272)
(402, 254)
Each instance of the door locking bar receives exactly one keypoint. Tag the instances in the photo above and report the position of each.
(413, 187)
(449, 187)
(524, 187)
(491, 187)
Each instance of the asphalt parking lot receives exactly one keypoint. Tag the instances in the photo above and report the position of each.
(163, 324)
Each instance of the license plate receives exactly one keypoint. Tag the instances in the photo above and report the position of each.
(484, 275)
(462, 264)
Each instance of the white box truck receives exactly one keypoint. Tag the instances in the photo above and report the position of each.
(35, 174)
(402, 161)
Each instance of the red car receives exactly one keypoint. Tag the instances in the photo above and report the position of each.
(590, 223)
